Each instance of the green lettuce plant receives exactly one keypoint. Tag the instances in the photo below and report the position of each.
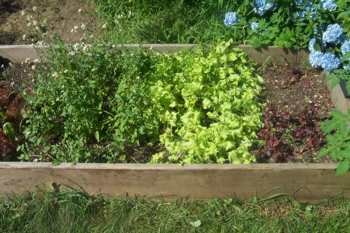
(208, 103)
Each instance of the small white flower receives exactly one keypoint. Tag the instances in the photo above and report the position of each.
(24, 37)
(27, 60)
(23, 13)
(29, 24)
(35, 22)
(76, 27)
(40, 43)
(34, 8)
(76, 46)
(36, 60)
(55, 74)
(71, 53)
(80, 10)
(104, 26)
(33, 67)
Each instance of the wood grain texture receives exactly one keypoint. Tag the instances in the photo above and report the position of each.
(304, 182)
(19, 53)
(339, 100)
(276, 55)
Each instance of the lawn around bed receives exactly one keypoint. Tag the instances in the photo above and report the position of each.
(73, 211)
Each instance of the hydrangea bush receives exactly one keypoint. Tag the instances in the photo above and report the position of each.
(287, 24)
(329, 49)
(319, 20)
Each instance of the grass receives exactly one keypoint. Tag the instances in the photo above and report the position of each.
(160, 21)
(72, 211)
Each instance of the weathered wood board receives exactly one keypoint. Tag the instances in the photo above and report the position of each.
(18, 53)
(305, 182)
(339, 100)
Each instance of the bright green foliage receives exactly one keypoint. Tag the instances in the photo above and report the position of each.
(337, 130)
(208, 104)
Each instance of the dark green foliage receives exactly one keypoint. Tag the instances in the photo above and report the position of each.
(134, 117)
(336, 76)
(86, 103)
(337, 131)
(344, 15)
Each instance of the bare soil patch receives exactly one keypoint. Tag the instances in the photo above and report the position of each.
(30, 21)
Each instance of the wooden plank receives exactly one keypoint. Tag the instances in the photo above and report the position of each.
(19, 53)
(337, 95)
(340, 101)
(275, 55)
(305, 182)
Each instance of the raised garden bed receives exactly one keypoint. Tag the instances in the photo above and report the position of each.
(304, 182)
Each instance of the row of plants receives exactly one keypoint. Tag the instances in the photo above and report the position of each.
(92, 103)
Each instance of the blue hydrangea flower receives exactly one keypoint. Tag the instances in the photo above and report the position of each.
(315, 58)
(262, 6)
(299, 2)
(333, 34)
(254, 26)
(306, 8)
(329, 5)
(330, 62)
(345, 48)
(230, 18)
(312, 44)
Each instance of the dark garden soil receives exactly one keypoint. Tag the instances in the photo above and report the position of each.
(30, 21)
(296, 102)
